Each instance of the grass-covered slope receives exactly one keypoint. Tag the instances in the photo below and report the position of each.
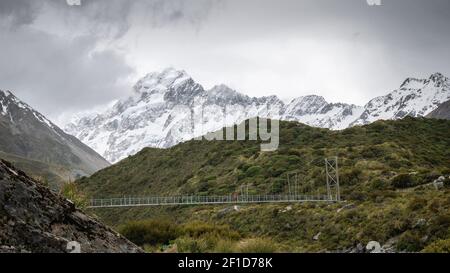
(379, 150)
(385, 169)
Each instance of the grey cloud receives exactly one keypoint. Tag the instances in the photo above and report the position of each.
(278, 46)
(50, 56)
(108, 18)
(160, 12)
(19, 12)
(55, 75)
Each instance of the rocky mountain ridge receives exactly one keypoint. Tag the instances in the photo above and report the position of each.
(26, 135)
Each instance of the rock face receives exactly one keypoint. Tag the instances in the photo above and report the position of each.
(33, 219)
(170, 107)
(25, 134)
(442, 112)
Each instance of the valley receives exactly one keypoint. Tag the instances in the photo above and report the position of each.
(387, 170)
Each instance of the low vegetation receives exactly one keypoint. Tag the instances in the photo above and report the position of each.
(192, 237)
(74, 194)
(386, 174)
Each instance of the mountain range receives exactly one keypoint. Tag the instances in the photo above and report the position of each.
(36, 145)
(169, 107)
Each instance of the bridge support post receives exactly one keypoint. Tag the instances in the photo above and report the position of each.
(332, 174)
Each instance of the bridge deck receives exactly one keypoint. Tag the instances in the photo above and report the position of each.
(205, 200)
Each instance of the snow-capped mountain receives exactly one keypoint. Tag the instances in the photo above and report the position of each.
(30, 139)
(415, 97)
(170, 107)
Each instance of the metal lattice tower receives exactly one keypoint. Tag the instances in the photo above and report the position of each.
(332, 173)
(292, 181)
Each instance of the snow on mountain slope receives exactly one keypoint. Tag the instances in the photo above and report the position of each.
(314, 110)
(170, 107)
(415, 98)
(26, 133)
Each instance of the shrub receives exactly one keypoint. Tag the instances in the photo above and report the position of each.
(372, 152)
(277, 185)
(243, 166)
(394, 164)
(440, 246)
(203, 186)
(410, 242)
(42, 180)
(253, 171)
(199, 229)
(434, 206)
(225, 246)
(275, 171)
(351, 177)
(417, 203)
(191, 245)
(71, 192)
(402, 181)
(378, 184)
(258, 245)
(447, 182)
(356, 196)
(440, 225)
(150, 232)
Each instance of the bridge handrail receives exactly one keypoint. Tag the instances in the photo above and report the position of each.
(203, 199)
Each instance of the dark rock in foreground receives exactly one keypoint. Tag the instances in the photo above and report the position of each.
(33, 219)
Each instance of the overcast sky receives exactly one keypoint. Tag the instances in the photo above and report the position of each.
(63, 59)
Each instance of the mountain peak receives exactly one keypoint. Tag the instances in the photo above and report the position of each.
(222, 87)
(161, 81)
(10, 103)
(44, 142)
(310, 99)
(222, 95)
(222, 90)
(410, 83)
(413, 83)
(438, 79)
(5, 93)
(437, 76)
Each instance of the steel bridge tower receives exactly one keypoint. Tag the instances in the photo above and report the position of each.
(332, 173)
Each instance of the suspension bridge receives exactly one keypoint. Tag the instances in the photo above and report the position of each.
(332, 195)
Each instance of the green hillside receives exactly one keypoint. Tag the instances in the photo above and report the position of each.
(385, 171)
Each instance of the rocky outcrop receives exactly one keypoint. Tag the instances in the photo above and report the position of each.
(34, 219)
